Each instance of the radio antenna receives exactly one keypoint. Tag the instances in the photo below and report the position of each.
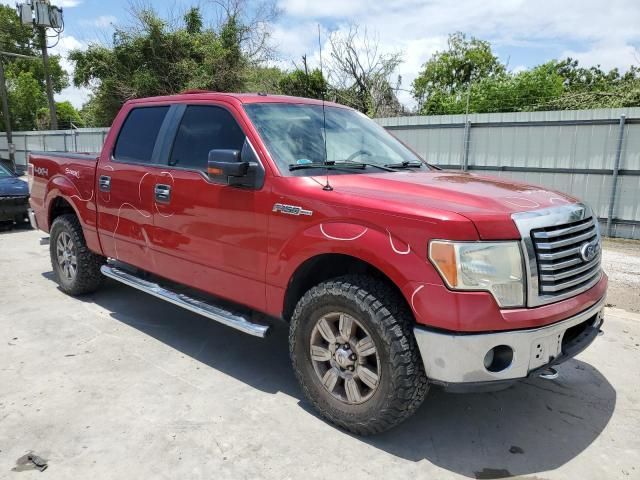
(327, 186)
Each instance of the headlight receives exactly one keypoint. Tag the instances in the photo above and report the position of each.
(492, 266)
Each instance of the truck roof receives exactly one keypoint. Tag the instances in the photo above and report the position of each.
(241, 97)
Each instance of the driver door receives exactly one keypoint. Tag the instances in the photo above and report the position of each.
(208, 235)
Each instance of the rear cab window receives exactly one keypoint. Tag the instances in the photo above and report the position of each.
(138, 134)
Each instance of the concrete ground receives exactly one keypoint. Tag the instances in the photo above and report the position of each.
(121, 385)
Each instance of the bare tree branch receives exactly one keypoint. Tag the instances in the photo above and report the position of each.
(360, 74)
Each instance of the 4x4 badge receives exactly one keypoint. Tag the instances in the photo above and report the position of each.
(291, 209)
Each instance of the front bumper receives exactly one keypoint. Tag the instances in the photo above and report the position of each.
(32, 219)
(460, 358)
(13, 206)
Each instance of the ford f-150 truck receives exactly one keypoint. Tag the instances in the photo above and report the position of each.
(392, 274)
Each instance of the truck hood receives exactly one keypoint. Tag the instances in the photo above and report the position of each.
(487, 201)
(13, 187)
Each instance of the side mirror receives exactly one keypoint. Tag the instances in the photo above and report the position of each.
(227, 167)
(224, 164)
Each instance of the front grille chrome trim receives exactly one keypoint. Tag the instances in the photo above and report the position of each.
(561, 254)
(571, 273)
(565, 242)
(551, 275)
(568, 284)
(564, 231)
(547, 267)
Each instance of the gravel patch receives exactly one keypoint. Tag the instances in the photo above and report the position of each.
(621, 261)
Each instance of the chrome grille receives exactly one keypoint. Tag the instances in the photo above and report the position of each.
(552, 239)
(559, 252)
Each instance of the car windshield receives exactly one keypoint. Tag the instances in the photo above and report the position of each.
(4, 173)
(294, 134)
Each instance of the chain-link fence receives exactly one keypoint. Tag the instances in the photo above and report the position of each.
(591, 154)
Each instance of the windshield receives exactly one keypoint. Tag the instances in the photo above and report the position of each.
(4, 173)
(294, 136)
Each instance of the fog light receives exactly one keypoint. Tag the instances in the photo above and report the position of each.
(498, 358)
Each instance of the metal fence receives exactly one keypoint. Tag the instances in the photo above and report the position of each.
(591, 154)
(76, 140)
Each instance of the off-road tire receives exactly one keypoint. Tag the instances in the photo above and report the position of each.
(88, 277)
(376, 305)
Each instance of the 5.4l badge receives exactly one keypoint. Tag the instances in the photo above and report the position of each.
(291, 209)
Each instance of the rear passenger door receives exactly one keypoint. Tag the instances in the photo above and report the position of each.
(126, 176)
(207, 235)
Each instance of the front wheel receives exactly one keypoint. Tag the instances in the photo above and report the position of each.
(77, 269)
(355, 356)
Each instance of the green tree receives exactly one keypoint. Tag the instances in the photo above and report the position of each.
(26, 97)
(595, 88)
(157, 58)
(450, 72)
(14, 36)
(469, 77)
(25, 78)
(263, 79)
(304, 83)
(66, 113)
(524, 91)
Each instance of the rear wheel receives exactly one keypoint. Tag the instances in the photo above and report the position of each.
(76, 268)
(355, 356)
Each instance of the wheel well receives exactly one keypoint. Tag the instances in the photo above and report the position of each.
(324, 267)
(59, 206)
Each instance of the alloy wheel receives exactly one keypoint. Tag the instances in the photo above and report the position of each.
(67, 256)
(345, 358)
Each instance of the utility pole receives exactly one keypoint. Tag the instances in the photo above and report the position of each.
(40, 14)
(5, 116)
(45, 59)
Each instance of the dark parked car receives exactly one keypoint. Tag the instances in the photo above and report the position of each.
(14, 198)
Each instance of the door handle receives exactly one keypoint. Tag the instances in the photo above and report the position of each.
(104, 183)
(162, 192)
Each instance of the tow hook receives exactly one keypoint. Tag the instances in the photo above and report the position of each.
(549, 374)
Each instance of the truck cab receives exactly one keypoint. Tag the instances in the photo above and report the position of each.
(392, 274)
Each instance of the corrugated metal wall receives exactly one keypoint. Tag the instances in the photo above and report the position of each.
(571, 151)
(79, 140)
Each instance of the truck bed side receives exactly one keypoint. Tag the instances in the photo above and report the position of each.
(61, 181)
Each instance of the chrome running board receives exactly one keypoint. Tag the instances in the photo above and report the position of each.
(200, 307)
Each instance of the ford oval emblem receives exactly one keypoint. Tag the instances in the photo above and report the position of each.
(588, 251)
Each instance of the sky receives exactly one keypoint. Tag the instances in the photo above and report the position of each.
(523, 33)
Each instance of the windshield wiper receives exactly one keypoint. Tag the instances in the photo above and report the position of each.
(405, 164)
(332, 165)
(329, 165)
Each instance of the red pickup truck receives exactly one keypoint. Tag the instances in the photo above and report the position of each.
(392, 274)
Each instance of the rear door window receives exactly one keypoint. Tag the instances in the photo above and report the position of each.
(204, 128)
(138, 134)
